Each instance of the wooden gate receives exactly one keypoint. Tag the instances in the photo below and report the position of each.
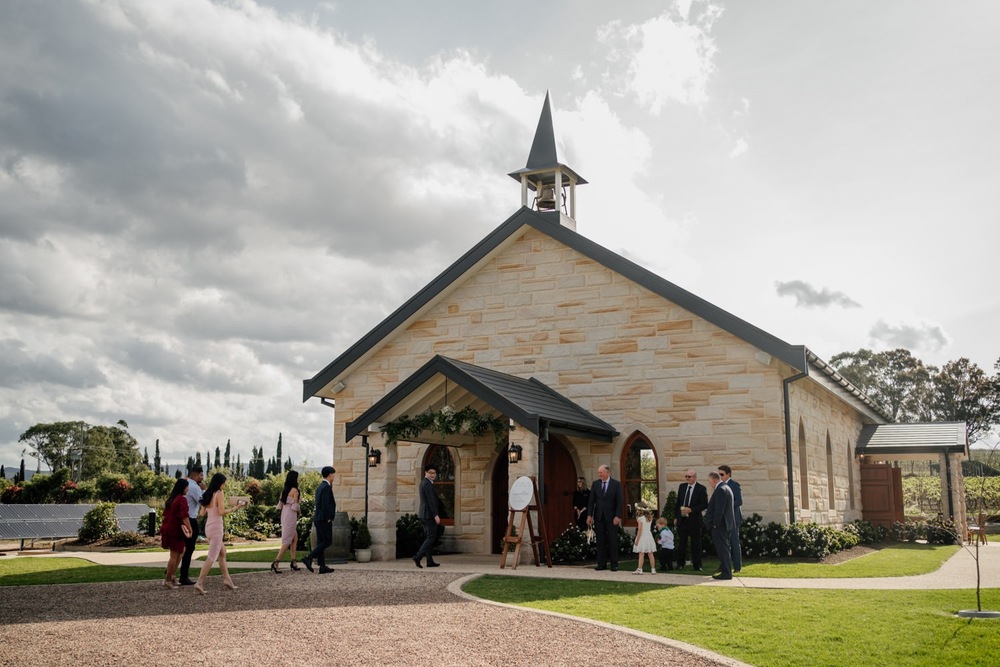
(881, 493)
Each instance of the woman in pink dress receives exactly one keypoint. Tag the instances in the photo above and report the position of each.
(289, 506)
(175, 529)
(213, 504)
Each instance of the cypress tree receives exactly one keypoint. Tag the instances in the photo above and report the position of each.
(145, 456)
(218, 458)
(226, 461)
(156, 458)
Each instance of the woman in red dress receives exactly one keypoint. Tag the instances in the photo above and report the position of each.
(175, 529)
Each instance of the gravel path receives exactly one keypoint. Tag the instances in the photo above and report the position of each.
(348, 618)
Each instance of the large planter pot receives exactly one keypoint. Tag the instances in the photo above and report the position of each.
(363, 555)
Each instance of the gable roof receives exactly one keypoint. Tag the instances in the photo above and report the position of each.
(548, 223)
(898, 439)
(529, 402)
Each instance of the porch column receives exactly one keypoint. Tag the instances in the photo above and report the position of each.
(951, 471)
(383, 508)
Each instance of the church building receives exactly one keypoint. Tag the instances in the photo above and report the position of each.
(539, 352)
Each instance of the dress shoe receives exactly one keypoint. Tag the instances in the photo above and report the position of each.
(721, 577)
(416, 561)
(432, 563)
(614, 568)
(325, 570)
(308, 562)
(600, 567)
(187, 582)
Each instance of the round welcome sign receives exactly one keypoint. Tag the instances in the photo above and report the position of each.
(521, 492)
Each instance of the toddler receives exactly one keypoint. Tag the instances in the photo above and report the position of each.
(666, 544)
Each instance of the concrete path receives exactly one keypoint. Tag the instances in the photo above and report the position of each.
(958, 572)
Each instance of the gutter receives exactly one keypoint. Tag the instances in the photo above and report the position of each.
(788, 431)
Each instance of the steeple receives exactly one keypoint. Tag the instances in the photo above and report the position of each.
(546, 176)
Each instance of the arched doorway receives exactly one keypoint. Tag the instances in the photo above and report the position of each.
(559, 482)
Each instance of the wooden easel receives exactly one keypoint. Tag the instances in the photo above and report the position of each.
(536, 538)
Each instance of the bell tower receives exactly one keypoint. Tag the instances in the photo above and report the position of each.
(553, 183)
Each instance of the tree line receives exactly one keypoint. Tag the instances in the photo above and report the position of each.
(88, 451)
(908, 390)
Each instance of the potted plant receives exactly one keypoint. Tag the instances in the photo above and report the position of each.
(363, 543)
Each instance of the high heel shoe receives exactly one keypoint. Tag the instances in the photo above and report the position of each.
(230, 585)
(274, 567)
(198, 587)
(295, 566)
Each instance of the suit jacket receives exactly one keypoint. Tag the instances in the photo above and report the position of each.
(720, 509)
(326, 506)
(606, 506)
(699, 500)
(734, 486)
(428, 501)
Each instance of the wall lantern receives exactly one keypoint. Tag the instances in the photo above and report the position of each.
(374, 458)
(514, 454)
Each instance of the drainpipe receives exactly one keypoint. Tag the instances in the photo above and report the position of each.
(788, 432)
(542, 436)
(947, 472)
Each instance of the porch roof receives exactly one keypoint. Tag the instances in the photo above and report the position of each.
(888, 440)
(530, 403)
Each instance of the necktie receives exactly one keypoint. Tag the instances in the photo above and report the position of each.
(605, 487)
(687, 499)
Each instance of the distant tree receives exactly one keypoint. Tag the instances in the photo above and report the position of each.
(55, 443)
(145, 457)
(156, 458)
(197, 459)
(894, 379)
(218, 457)
(238, 468)
(3, 472)
(288, 464)
(20, 474)
(178, 475)
(226, 460)
(962, 391)
(191, 461)
(208, 460)
(277, 457)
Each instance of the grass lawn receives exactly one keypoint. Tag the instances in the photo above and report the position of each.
(775, 628)
(27, 571)
(895, 560)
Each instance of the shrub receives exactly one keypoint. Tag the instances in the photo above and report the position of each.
(940, 531)
(572, 547)
(126, 539)
(99, 523)
(252, 488)
(869, 533)
(11, 494)
(409, 535)
(362, 537)
(112, 487)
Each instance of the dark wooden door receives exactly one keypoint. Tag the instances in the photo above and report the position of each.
(560, 482)
(881, 493)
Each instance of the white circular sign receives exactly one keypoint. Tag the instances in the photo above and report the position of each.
(520, 494)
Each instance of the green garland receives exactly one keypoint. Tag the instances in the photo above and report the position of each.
(447, 422)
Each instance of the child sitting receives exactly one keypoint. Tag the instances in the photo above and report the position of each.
(666, 540)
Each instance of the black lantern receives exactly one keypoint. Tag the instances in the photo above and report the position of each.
(374, 458)
(514, 453)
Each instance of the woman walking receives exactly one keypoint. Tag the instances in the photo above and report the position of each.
(175, 529)
(213, 504)
(289, 506)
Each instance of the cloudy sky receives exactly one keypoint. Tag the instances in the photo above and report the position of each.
(204, 203)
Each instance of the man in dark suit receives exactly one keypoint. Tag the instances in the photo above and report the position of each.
(605, 515)
(692, 499)
(719, 517)
(430, 515)
(326, 510)
(726, 473)
(196, 486)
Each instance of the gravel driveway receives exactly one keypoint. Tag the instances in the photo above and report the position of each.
(344, 618)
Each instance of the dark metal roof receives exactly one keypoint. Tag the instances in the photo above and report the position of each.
(898, 439)
(548, 223)
(543, 150)
(528, 402)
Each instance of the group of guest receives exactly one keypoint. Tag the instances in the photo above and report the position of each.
(189, 500)
(602, 507)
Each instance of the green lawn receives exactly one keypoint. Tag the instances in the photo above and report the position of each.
(777, 628)
(895, 560)
(24, 570)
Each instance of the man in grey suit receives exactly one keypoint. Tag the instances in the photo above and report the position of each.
(326, 510)
(726, 473)
(430, 515)
(719, 517)
(605, 515)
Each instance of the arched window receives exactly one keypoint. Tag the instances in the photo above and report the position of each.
(444, 485)
(639, 474)
(803, 467)
(829, 473)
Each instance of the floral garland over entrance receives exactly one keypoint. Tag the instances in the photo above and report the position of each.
(447, 422)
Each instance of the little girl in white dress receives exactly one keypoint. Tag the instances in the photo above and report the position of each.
(644, 542)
